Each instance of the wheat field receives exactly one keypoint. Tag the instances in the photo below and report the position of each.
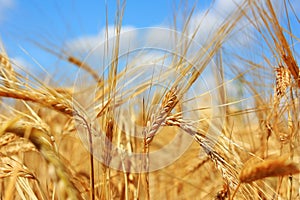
(171, 112)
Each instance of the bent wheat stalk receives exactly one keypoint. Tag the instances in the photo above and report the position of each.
(49, 101)
(227, 170)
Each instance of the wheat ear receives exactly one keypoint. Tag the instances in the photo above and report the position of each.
(47, 100)
(280, 166)
(206, 143)
(283, 80)
(169, 102)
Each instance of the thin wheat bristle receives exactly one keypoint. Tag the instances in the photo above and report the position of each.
(84, 66)
(256, 170)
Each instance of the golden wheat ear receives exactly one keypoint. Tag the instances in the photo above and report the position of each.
(272, 167)
(169, 102)
(283, 80)
(255, 169)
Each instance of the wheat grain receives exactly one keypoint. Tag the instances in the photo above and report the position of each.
(10, 144)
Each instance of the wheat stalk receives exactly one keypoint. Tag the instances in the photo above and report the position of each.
(84, 66)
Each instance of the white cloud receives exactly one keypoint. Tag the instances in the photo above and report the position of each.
(4, 6)
(208, 23)
(228, 6)
(160, 37)
(146, 44)
(87, 43)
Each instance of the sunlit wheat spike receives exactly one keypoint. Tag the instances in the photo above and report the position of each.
(170, 98)
(283, 80)
(280, 166)
(4, 61)
(108, 142)
(169, 102)
(10, 144)
(55, 102)
(6, 70)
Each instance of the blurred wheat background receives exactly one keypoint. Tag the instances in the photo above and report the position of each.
(205, 106)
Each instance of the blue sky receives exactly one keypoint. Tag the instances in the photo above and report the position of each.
(64, 20)
(53, 23)
(57, 23)
(77, 26)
